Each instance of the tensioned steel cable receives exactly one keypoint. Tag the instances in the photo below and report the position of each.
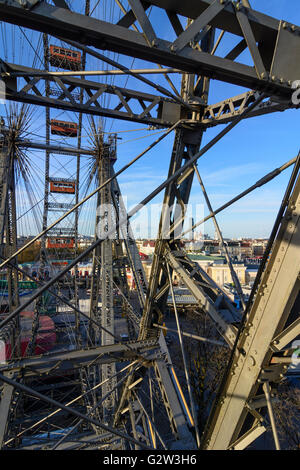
(263, 264)
(76, 413)
(110, 232)
(118, 173)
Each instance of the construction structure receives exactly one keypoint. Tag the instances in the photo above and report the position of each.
(118, 390)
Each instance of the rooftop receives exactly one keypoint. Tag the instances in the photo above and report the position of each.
(207, 257)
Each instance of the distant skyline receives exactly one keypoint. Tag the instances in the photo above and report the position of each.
(186, 237)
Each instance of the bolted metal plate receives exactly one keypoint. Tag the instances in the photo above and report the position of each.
(171, 112)
(287, 50)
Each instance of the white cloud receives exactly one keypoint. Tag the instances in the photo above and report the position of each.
(229, 174)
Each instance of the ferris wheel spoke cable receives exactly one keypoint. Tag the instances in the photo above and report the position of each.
(66, 302)
(207, 147)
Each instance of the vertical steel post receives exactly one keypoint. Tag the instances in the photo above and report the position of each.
(267, 391)
(107, 309)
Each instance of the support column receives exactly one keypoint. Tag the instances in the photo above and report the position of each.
(107, 309)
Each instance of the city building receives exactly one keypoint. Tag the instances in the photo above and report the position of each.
(221, 273)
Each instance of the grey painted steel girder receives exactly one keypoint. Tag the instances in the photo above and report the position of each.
(176, 196)
(4, 186)
(106, 214)
(162, 362)
(273, 44)
(130, 105)
(63, 362)
(131, 248)
(253, 363)
(29, 144)
(252, 27)
(224, 111)
(209, 296)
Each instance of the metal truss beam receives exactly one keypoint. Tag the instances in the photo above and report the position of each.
(261, 33)
(80, 441)
(130, 245)
(211, 299)
(185, 365)
(172, 397)
(29, 144)
(89, 73)
(179, 171)
(177, 417)
(224, 111)
(106, 215)
(254, 433)
(57, 363)
(251, 363)
(287, 335)
(186, 146)
(190, 335)
(129, 105)
(70, 410)
(5, 163)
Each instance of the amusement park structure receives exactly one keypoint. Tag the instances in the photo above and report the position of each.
(97, 389)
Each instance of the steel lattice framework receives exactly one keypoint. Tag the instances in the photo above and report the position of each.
(260, 337)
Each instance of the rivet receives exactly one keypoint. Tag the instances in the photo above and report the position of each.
(252, 361)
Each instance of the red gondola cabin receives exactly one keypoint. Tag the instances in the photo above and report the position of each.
(65, 58)
(45, 339)
(60, 242)
(68, 129)
(62, 187)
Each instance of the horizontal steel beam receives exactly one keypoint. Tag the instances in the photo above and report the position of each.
(131, 213)
(129, 105)
(224, 111)
(190, 335)
(29, 144)
(263, 25)
(103, 35)
(91, 73)
(62, 362)
(157, 110)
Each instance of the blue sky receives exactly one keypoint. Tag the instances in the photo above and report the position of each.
(249, 151)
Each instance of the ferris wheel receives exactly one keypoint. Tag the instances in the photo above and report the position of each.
(94, 361)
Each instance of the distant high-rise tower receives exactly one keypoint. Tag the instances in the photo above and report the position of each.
(216, 235)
